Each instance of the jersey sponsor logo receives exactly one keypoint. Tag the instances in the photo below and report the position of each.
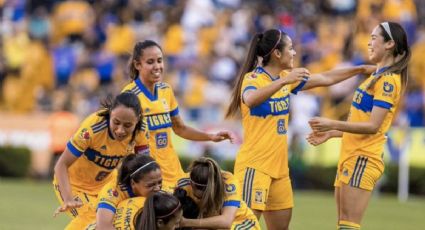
(108, 162)
(84, 134)
(281, 128)
(159, 121)
(161, 140)
(272, 106)
(388, 87)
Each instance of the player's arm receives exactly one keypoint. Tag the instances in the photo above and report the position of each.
(223, 221)
(317, 138)
(253, 97)
(320, 124)
(104, 219)
(334, 76)
(61, 172)
(189, 133)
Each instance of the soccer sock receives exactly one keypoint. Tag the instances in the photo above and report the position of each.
(347, 225)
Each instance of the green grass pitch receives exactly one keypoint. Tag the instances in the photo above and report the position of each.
(30, 204)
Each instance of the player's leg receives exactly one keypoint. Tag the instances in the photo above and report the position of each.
(255, 186)
(279, 204)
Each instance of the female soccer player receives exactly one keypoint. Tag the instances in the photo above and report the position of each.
(139, 176)
(262, 94)
(85, 166)
(162, 211)
(363, 134)
(217, 195)
(161, 110)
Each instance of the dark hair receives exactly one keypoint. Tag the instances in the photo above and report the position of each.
(262, 45)
(134, 167)
(205, 171)
(127, 99)
(401, 48)
(137, 54)
(159, 205)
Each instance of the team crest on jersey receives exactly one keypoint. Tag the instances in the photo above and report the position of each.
(388, 87)
(113, 192)
(165, 104)
(230, 188)
(84, 134)
(259, 196)
(147, 110)
(103, 147)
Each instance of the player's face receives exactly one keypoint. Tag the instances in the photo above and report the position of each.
(151, 182)
(151, 65)
(376, 45)
(288, 54)
(172, 223)
(122, 122)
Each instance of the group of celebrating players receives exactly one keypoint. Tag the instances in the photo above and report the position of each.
(120, 171)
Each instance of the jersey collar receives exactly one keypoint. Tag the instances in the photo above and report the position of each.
(145, 90)
(260, 69)
(379, 71)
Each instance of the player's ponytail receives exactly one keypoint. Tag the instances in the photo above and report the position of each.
(259, 54)
(205, 174)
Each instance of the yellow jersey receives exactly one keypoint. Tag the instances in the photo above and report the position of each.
(233, 196)
(127, 212)
(158, 110)
(99, 153)
(264, 146)
(112, 194)
(384, 93)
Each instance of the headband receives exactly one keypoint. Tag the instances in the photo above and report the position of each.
(171, 213)
(141, 167)
(386, 27)
(275, 45)
(197, 184)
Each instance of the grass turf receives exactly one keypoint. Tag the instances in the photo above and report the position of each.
(29, 204)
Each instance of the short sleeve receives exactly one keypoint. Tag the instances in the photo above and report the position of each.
(82, 139)
(109, 197)
(250, 82)
(232, 191)
(386, 92)
(174, 106)
(296, 87)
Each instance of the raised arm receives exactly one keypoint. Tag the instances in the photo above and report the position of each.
(253, 97)
(189, 133)
(320, 124)
(334, 76)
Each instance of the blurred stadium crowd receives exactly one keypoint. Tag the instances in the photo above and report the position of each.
(68, 55)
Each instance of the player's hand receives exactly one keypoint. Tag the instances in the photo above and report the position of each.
(320, 124)
(297, 74)
(221, 136)
(67, 205)
(368, 69)
(317, 138)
